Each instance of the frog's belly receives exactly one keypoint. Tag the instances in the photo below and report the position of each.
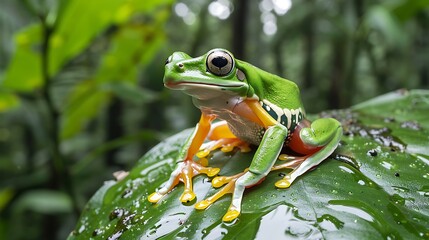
(244, 129)
(222, 106)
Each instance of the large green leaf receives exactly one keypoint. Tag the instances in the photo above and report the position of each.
(376, 186)
(81, 21)
(131, 46)
(8, 101)
(75, 27)
(24, 71)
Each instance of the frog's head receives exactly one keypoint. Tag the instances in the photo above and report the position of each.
(206, 76)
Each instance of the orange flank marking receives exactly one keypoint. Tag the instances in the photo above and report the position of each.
(261, 114)
(243, 109)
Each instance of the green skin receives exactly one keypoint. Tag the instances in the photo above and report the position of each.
(217, 83)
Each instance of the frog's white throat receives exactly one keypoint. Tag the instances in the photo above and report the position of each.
(209, 91)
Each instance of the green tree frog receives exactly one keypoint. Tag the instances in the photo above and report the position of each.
(255, 107)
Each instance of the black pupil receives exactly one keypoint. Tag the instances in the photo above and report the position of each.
(220, 61)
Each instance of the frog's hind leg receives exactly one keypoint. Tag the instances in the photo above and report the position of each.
(324, 135)
(262, 162)
(221, 137)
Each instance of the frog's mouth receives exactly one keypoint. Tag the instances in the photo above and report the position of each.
(183, 85)
(204, 90)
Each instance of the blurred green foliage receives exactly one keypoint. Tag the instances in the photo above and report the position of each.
(81, 92)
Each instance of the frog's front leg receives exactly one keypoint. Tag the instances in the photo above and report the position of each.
(264, 159)
(186, 168)
(323, 135)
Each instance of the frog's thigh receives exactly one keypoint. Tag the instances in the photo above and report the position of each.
(220, 130)
(321, 132)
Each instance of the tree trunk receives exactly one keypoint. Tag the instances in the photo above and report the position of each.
(239, 18)
(337, 74)
(114, 129)
(309, 35)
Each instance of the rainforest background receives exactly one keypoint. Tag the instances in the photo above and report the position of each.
(81, 93)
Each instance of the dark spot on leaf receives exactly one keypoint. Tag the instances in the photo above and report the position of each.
(397, 174)
(348, 133)
(118, 212)
(127, 193)
(122, 225)
(389, 120)
(97, 232)
(372, 153)
(116, 235)
(347, 159)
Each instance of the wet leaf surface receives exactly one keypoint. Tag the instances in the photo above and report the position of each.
(375, 186)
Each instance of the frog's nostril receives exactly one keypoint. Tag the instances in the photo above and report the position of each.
(180, 67)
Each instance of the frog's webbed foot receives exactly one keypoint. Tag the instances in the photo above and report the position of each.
(247, 179)
(224, 144)
(184, 172)
(217, 182)
(292, 162)
(234, 184)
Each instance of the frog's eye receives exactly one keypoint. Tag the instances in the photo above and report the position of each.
(169, 59)
(220, 63)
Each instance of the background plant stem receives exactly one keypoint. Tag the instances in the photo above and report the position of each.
(60, 175)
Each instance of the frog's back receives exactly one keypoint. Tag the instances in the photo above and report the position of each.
(267, 86)
(281, 92)
(278, 96)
